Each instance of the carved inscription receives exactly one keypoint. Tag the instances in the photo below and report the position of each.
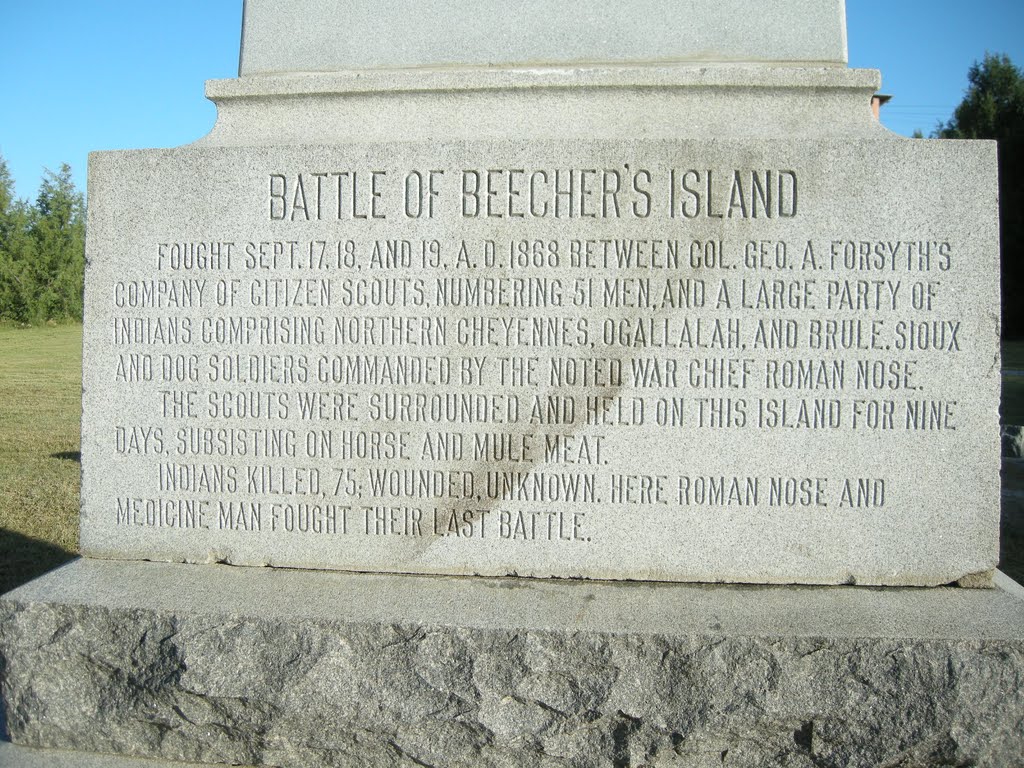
(514, 356)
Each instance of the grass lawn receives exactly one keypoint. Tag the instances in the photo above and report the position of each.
(40, 405)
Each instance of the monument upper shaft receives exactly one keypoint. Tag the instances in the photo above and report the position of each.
(293, 36)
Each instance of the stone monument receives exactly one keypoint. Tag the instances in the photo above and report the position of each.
(586, 292)
(504, 297)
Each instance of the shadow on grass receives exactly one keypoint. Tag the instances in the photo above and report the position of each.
(26, 558)
(68, 456)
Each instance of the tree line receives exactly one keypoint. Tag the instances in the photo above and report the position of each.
(42, 250)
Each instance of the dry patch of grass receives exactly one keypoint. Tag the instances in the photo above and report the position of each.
(40, 411)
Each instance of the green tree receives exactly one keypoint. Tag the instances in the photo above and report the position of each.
(58, 232)
(993, 108)
(42, 250)
(15, 252)
(6, 191)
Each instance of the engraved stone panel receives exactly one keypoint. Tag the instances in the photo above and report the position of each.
(712, 360)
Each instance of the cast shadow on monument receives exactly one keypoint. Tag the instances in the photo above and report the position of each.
(25, 558)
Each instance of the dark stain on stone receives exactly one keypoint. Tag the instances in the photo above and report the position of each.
(620, 740)
(804, 735)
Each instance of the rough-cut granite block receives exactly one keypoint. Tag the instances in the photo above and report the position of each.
(13, 756)
(292, 668)
(300, 36)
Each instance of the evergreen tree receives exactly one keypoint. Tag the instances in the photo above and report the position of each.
(42, 250)
(6, 192)
(993, 108)
(58, 232)
(15, 252)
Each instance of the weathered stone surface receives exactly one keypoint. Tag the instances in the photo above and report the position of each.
(280, 378)
(700, 321)
(14, 756)
(301, 36)
(591, 103)
(289, 668)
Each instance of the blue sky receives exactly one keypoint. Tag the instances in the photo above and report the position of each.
(120, 74)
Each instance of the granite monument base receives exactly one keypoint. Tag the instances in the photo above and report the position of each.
(279, 667)
(13, 756)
